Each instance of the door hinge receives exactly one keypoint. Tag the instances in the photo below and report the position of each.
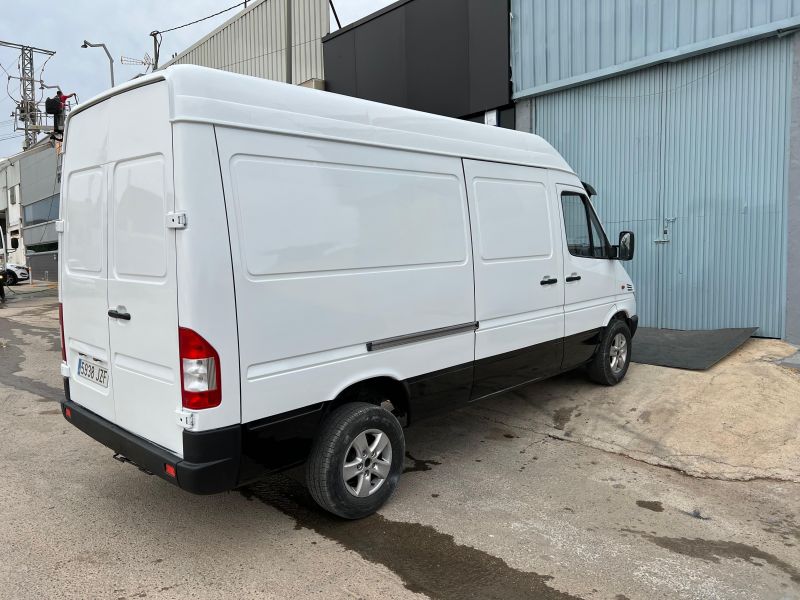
(185, 419)
(176, 220)
(59, 226)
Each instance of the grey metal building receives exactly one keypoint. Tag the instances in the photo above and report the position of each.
(29, 203)
(686, 118)
(273, 39)
(39, 199)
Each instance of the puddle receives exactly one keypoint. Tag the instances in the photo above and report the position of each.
(653, 505)
(563, 416)
(428, 562)
(715, 550)
(418, 464)
(12, 356)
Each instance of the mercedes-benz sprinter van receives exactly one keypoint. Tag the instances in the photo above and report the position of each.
(256, 275)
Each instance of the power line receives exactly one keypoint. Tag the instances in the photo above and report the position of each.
(200, 20)
(4, 69)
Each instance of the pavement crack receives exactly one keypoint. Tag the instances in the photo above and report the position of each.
(637, 455)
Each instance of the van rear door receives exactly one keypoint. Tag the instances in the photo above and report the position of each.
(119, 288)
(84, 288)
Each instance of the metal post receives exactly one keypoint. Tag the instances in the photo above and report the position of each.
(27, 111)
(154, 35)
(289, 41)
(110, 63)
(28, 93)
(108, 54)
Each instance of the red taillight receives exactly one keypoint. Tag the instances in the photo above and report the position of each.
(68, 412)
(61, 325)
(200, 374)
(169, 469)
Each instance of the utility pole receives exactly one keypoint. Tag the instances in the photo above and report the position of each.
(156, 47)
(27, 111)
(28, 90)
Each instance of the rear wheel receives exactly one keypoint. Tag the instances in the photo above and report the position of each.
(356, 460)
(610, 363)
(11, 278)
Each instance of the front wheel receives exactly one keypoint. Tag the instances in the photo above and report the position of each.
(610, 362)
(356, 460)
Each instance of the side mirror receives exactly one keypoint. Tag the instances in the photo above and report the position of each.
(14, 243)
(626, 245)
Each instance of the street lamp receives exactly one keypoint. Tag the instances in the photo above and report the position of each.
(110, 60)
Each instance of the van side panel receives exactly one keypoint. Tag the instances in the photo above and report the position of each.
(206, 300)
(519, 290)
(336, 246)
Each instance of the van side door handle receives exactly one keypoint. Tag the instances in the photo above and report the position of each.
(115, 314)
(573, 277)
(548, 280)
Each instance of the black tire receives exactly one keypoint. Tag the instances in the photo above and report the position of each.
(334, 444)
(600, 368)
(11, 278)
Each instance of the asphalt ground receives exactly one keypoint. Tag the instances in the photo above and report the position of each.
(492, 505)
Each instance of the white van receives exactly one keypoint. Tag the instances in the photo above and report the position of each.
(256, 275)
(9, 273)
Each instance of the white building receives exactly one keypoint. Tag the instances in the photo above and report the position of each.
(29, 203)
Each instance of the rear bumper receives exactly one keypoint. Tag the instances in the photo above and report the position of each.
(211, 458)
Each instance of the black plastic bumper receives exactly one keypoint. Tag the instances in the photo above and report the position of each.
(634, 324)
(211, 458)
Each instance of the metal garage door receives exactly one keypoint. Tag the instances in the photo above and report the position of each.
(693, 157)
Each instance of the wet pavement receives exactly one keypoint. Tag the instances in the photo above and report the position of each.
(489, 507)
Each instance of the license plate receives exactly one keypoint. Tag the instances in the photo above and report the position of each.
(88, 369)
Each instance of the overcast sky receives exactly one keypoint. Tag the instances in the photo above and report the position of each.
(123, 25)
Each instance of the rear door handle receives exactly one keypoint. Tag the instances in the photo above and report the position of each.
(115, 314)
(548, 280)
(573, 277)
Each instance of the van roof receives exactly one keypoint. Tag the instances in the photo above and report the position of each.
(200, 94)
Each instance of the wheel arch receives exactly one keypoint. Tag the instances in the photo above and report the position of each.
(618, 314)
(371, 389)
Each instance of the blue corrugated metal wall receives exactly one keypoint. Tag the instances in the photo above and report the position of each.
(611, 134)
(699, 147)
(556, 43)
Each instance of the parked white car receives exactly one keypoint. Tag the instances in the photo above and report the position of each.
(16, 273)
(372, 266)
